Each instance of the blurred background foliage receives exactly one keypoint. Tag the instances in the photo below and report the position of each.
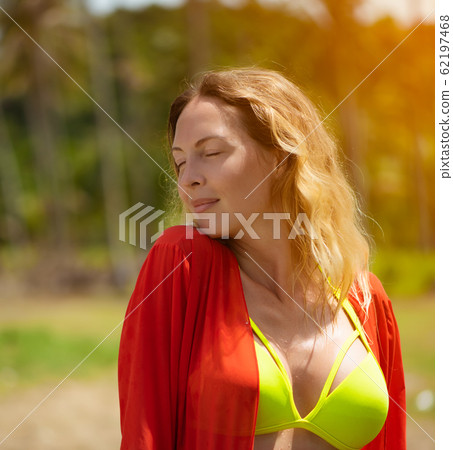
(82, 141)
(68, 167)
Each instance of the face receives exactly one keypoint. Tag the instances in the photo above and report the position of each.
(219, 165)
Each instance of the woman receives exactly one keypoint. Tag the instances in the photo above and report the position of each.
(260, 328)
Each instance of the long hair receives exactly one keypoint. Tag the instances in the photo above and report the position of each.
(279, 116)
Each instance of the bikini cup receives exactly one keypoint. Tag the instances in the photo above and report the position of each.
(348, 417)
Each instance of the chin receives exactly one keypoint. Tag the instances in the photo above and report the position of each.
(213, 232)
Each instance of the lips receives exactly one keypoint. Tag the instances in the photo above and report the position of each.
(203, 204)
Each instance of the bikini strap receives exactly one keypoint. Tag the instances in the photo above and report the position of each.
(338, 360)
(356, 321)
(269, 348)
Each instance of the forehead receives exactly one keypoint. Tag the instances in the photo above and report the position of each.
(205, 116)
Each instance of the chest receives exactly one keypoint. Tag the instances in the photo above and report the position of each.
(305, 345)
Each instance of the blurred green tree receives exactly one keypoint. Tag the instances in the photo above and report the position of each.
(68, 170)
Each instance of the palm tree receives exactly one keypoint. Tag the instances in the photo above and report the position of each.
(108, 141)
(11, 189)
(26, 72)
(198, 35)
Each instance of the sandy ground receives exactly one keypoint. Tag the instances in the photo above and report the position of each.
(78, 415)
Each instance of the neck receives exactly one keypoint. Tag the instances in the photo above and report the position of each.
(267, 260)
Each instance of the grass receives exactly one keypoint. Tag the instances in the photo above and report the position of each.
(416, 324)
(44, 341)
(38, 353)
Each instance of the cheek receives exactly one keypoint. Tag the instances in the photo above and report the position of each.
(183, 196)
(243, 190)
(235, 178)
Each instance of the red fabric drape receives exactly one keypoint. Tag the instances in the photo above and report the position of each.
(383, 336)
(188, 376)
(187, 368)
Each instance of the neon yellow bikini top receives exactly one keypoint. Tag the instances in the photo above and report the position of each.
(347, 418)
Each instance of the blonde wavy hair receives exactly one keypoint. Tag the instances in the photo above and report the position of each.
(280, 117)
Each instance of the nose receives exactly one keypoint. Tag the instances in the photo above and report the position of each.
(191, 176)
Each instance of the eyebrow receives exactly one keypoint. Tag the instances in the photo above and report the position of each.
(202, 141)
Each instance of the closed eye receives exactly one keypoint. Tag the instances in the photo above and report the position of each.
(178, 166)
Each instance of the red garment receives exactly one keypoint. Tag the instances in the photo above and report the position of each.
(187, 368)
(384, 339)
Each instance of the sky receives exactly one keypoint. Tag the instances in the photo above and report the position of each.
(405, 11)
